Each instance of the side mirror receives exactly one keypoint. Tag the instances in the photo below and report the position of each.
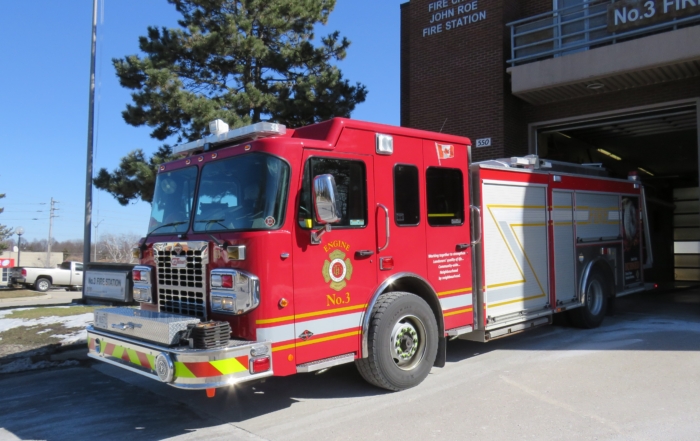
(324, 192)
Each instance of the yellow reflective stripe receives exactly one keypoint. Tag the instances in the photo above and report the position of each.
(228, 366)
(515, 206)
(441, 215)
(462, 290)
(181, 371)
(309, 314)
(133, 357)
(151, 361)
(314, 341)
(493, 305)
(118, 352)
(459, 311)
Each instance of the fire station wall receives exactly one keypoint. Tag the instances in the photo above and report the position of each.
(455, 77)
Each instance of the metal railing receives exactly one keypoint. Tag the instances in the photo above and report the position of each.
(574, 29)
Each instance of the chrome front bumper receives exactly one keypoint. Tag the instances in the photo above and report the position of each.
(181, 367)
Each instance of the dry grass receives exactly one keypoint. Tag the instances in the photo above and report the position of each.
(26, 338)
(18, 293)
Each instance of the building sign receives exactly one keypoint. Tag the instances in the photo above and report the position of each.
(446, 15)
(7, 263)
(113, 285)
(629, 14)
(483, 142)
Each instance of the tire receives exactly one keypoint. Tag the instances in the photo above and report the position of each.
(402, 342)
(595, 303)
(42, 284)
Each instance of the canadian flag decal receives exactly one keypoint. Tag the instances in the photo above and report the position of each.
(445, 151)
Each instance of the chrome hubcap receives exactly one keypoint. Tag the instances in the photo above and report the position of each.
(408, 342)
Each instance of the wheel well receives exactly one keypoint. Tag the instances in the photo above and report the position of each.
(44, 277)
(602, 267)
(420, 288)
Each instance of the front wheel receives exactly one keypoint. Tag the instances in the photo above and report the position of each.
(42, 284)
(402, 342)
(595, 303)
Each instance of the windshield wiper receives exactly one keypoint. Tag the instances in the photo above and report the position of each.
(212, 221)
(171, 224)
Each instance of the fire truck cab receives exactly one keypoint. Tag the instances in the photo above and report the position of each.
(273, 251)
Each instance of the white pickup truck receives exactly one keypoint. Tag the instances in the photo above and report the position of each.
(67, 274)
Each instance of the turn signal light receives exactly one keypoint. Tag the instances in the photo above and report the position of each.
(227, 281)
(386, 263)
(137, 275)
(259, 365)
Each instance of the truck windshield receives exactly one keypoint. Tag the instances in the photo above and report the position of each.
(172, 201)
(242, 193)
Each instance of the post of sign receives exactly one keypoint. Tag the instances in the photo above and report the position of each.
(91, 118)
(20, 232)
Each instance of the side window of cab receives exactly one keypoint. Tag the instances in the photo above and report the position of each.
(351, 183)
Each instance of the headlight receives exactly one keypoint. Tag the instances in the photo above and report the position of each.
(233, 291)
(141, 276)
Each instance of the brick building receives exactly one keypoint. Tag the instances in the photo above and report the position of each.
(587, 81)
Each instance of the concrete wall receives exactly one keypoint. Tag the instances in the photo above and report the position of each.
(33, 258)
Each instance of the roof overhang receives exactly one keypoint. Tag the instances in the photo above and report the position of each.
(655, 59)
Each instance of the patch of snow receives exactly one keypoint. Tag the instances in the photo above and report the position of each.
(75, 337)
(72, 321)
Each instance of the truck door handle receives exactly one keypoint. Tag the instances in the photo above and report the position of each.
(363, 253)
(386, 211)
(476, 222)
(462, 246)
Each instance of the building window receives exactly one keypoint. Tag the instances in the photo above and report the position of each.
(406, 195)
(351, 183)
(445, 196)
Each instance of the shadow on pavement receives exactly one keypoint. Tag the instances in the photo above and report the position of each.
(105, 402)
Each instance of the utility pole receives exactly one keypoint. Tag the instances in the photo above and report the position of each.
(91, 121)
(97, 225)
(51, 216)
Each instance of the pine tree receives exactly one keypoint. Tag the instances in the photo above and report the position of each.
(242, 61)
(5, 231)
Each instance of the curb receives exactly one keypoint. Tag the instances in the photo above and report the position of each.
(74, 302)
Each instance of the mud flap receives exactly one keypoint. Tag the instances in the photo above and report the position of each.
(441, 356)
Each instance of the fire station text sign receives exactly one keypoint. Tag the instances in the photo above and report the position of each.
(628, 14)
(446, 15)
(106, 285)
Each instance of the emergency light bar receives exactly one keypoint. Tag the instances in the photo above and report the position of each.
(253, 131)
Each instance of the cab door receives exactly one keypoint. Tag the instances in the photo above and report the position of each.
(447, 226)
(332, 280)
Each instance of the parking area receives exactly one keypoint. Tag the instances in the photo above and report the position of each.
(634, 378)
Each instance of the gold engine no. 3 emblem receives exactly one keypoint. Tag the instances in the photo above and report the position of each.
(337, 270)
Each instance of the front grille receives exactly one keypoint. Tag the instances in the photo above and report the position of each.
(182, 290)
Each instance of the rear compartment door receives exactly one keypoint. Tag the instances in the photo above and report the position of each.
(515, 249)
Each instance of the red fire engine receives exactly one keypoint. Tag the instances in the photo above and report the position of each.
(273, 251)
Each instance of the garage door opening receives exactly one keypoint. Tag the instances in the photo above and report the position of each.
(661, 147)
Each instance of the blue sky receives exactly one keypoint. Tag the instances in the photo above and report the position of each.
(44, 86)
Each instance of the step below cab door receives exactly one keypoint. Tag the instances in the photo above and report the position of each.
(334, 279)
